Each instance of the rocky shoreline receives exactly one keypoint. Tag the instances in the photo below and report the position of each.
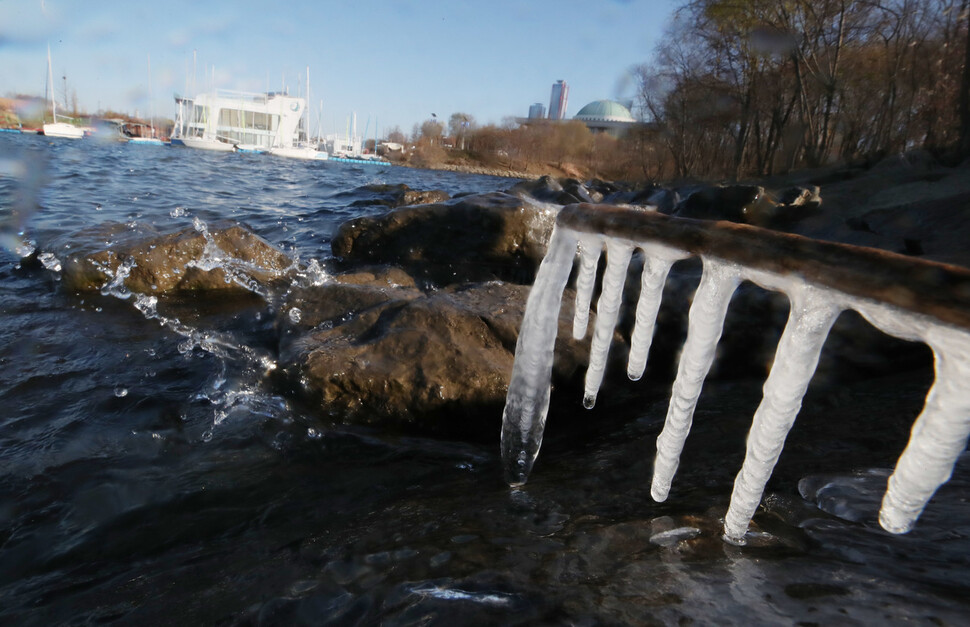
(416, 327)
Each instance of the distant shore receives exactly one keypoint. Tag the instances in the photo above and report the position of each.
(568, 170)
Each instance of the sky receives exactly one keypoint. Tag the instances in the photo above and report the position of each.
(392, 62)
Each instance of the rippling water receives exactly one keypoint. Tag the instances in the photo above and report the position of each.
(150, 472)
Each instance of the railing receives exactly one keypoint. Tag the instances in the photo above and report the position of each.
(908, 298)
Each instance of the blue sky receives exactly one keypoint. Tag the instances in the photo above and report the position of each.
(392, 62)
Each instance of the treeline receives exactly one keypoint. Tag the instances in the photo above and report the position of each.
(538, 147)
(741, 88)
(755, 87)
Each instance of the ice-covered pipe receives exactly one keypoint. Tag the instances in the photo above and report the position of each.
(905, 297)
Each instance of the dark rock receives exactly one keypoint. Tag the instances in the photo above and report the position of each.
(220, 257)
(794, 205)
(737, 203)
(937, 229)
(398, 196)
(438, 362)
(547, 189)
(475, 238)
(604, 188)
(577, 190)
(801, 196)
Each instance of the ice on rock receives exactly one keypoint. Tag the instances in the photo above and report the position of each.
(907, 298)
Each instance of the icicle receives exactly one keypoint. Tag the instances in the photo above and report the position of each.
(704, 327)
(527, 400)
(589, 256)
(938, 437)
(607, 308)
(813, 311)
(656, 267)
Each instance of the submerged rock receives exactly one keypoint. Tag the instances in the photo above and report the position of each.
(215, 257)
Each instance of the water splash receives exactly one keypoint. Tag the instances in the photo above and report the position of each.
(919, 301)
(116, 284)
(236, 270)
(49, 261)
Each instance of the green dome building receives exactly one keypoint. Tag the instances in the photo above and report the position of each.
(606, 116)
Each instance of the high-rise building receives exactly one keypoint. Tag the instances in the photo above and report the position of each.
(557, 103)
(537, 111)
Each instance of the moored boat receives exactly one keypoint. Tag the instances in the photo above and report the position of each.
(224, 120)
(297, 145)
(55, 128)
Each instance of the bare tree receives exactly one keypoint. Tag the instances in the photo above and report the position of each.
(459, 125)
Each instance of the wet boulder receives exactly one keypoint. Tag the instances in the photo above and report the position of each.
(795, 204)
(581, 191)
(399, 195)
(748, 204)
(220, 256)
(549, 189)
(473, 238)
(808, 196)
(439, 362)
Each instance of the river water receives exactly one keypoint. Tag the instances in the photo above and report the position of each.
(147, 475)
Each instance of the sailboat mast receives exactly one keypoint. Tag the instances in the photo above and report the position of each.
(151, 101)
(50, 82)
(306, 124)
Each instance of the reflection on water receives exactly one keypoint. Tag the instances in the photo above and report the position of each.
(152, 472)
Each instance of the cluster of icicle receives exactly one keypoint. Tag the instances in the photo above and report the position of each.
(938, 436)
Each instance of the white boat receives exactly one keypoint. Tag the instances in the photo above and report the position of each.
(55, 128)
(224, 120)
(297, 145)
(350, 148)
(63, 129)
(146, 141)
(249, 148)
(205, 143)
(300, 152)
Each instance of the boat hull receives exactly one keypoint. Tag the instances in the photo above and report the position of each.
(207, 144)
(146, 141)
(309, 154)
(63, 129)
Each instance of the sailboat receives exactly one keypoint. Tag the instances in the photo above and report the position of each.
(301, 147)
(55, 128)
(151, 140)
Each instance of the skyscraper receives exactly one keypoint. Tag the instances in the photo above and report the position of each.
(557, 103)
(537, 111)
